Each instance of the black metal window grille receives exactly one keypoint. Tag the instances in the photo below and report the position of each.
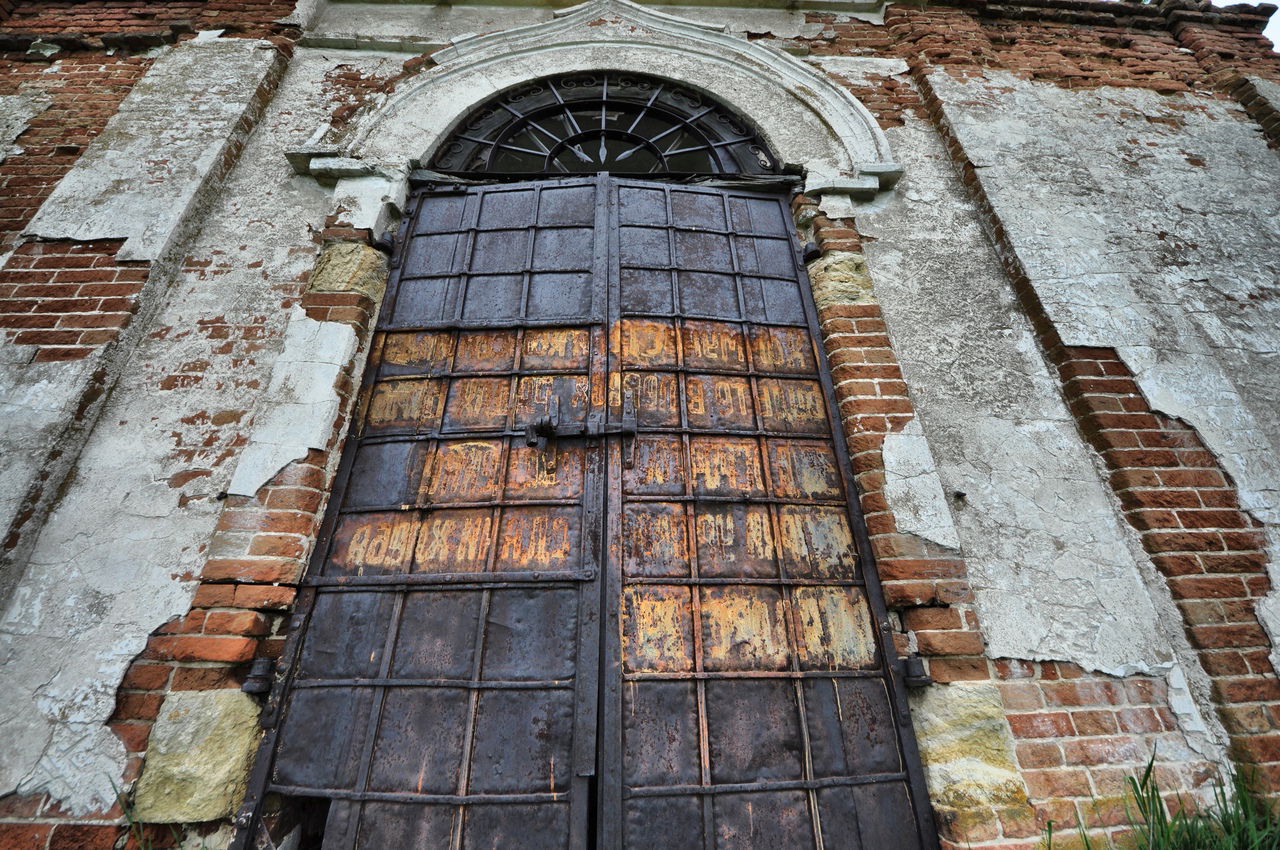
(615, 122)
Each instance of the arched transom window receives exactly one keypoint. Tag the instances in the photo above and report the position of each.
(609, 121)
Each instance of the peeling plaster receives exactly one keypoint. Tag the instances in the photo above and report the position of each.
(1184, 281)
(1268, 90)
(37, 400)
(859, 69)
(1055, 571)
(1149, 224)
(139, 178)
(117, 556)
(298, 410)
(372, 202)
(913, 488)
(16, 112)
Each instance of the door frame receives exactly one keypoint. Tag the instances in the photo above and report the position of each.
(424, 181)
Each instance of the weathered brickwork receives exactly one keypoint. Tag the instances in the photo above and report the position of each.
(1231, 49)
(82, 92)
(68, 298)
(116, 24)
(258, 551)
(1212, 553)
(1077, 735)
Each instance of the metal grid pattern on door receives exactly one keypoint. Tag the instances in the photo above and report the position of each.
(754, 707)
(591, 578)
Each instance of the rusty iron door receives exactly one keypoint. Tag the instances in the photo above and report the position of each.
(445, 692)
(748, 701)
(592, 578)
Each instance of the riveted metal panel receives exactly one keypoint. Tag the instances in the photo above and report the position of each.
(592, 576)
(756, 708)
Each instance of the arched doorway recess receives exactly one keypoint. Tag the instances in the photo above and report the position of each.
(591, 577)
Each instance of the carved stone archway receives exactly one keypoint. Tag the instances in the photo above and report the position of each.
(806, 118)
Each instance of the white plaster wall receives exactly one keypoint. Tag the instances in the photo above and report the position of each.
(1054, 570)
(16, 112)
(119, 554)
(37, 400)
(1151, 224)
(351, 25)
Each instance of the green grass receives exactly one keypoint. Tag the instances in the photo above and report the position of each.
(1238, 820)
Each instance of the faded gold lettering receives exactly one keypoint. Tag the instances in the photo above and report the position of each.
(454, 541)
(464, 472)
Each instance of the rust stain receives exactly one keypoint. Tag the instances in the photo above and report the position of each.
(724, 466)
(735, 541)
(654, 540)
(426, 352)
(743, 629)
(804, 470)
(538, 539)
(657, 629)
(656, 395)
(465, 471)
(817, 542)
(485, 351)
(716, 401)
(782, 350)
(556, 348)
(534, 395)
(794, 407)
(836, 629)
(454, 542)
(658, 469)
(528, 476)
(648, 343)
(374, 543)
(713, 345)
(402, 405)
(477, 404)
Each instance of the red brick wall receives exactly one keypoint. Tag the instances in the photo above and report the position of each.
(84, 91)
(1230, 47)
(68, 298)
(137, 25)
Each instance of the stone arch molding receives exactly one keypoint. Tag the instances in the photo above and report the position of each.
(806, 118)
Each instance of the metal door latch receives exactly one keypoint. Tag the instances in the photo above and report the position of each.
(542, 432)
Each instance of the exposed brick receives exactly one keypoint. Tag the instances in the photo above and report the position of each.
(1057, 782)
(1083, 693)
(24, 836)
(203, 648)
(1039, 754)
(146, 677)
(950, 643)
(84, 837)
(1055, 724)
(958, 669)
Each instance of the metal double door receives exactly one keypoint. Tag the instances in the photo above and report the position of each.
(591, 578)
